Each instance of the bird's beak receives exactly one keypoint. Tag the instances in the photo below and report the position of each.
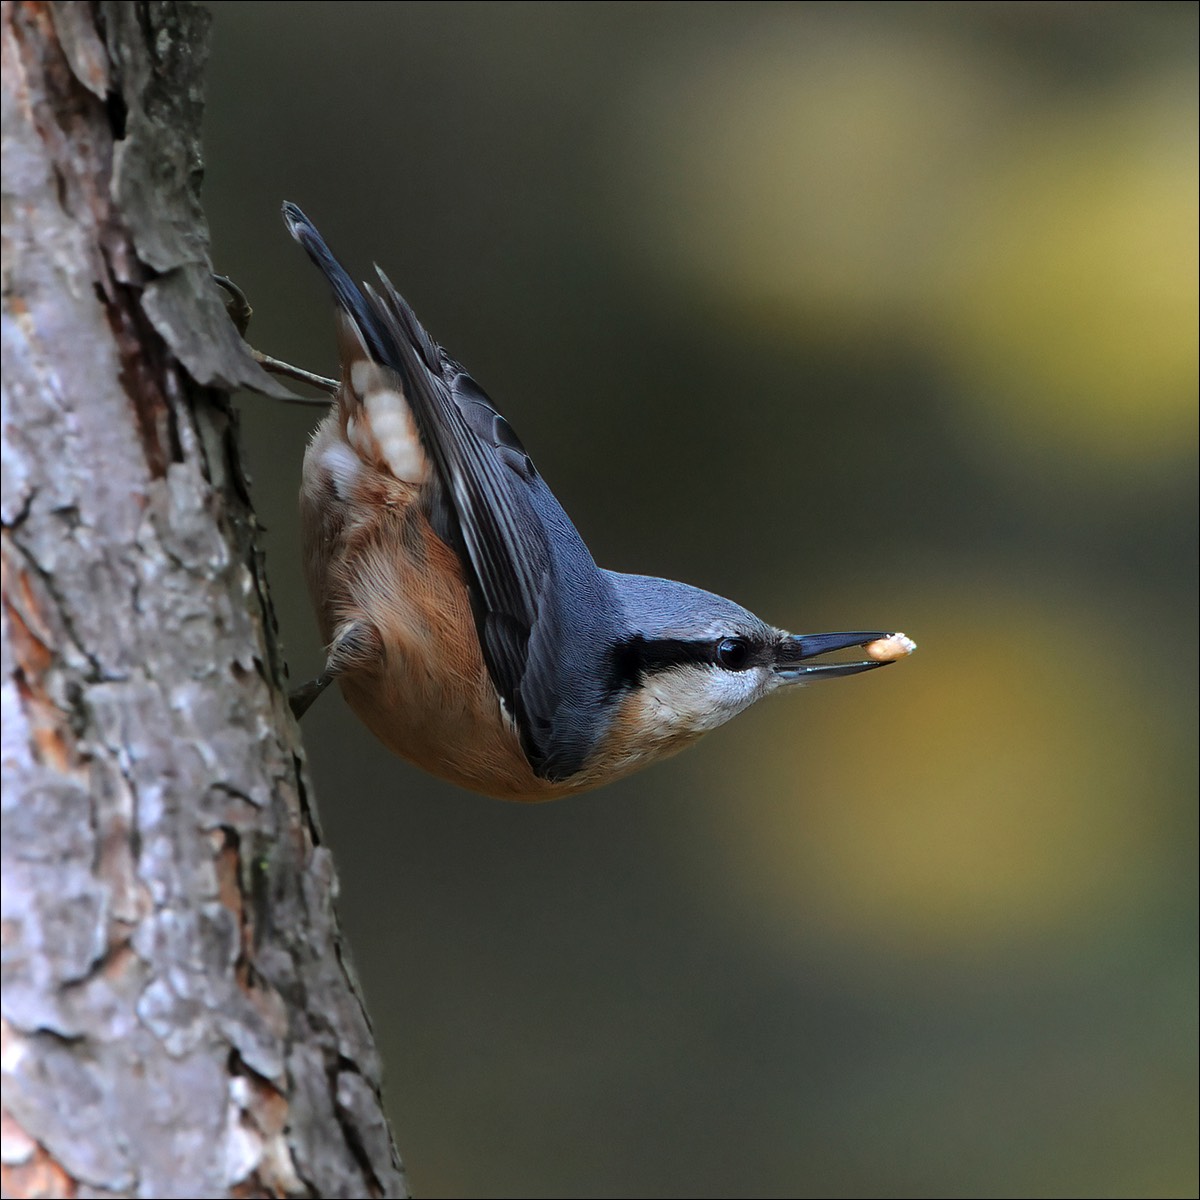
(882, 648)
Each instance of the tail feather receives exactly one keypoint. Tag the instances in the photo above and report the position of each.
(349, 295)
(390, 330)
(380, 352)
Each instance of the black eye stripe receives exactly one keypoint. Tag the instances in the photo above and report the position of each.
(632, 661)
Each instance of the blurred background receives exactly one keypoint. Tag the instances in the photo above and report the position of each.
(866, 315)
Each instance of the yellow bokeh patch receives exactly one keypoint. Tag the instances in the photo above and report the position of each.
(997, 787)
(1069, 284)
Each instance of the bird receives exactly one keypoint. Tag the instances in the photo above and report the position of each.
(465, 619)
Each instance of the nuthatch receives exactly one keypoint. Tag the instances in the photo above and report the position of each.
(466, 621)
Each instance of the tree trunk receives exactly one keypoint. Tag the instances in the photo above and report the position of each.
(179, 1016)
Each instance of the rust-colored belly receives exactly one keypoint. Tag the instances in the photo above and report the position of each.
(371, 555)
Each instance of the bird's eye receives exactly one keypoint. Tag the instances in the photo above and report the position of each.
(733, 653)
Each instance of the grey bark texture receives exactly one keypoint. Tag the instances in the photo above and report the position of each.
(179, 1015)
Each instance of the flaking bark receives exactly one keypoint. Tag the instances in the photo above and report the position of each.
(179, 1017)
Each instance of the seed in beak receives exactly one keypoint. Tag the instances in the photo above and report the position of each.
(890, 648)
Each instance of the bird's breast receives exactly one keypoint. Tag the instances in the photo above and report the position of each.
(645, 726)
